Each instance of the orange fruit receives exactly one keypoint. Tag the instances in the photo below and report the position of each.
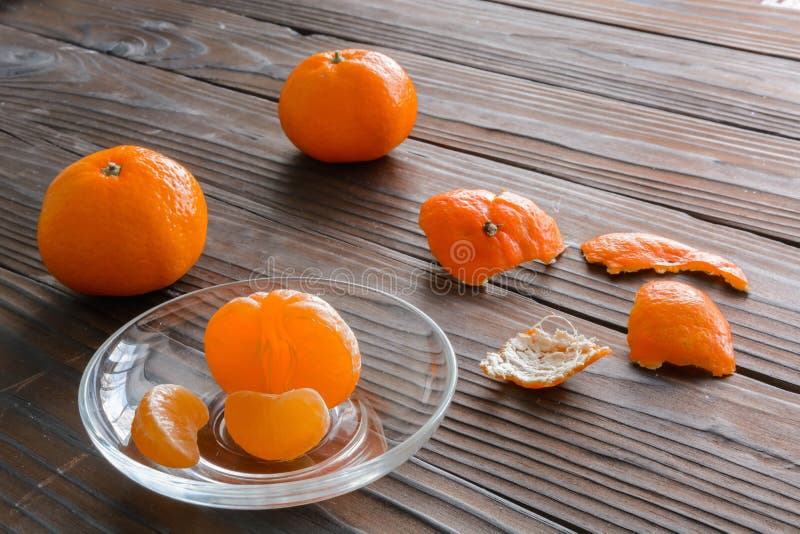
(676, 323)
(347, 105)
(122, 221)
(165, 425)
(276, 427)
(629, 252)
(537, 359)
(282, 340)
(475, 234)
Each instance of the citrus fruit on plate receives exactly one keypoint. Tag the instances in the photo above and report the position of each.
(407, 379)
(347, 105)
(282, 340)
(277, 427)
(122, 221)
(165, 425)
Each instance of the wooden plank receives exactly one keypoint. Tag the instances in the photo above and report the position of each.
(715, 83)
(694, 422)
(376, 204)
(544, 449)
(714, 172)
(104, 490)
(742, 24)
(571, 426)
(452, 504)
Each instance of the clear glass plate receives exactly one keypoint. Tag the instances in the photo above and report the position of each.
(408, 378)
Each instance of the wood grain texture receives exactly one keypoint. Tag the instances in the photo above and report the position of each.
(741, 24)
(743, 179)
(616, 447)
(714, 83)
(550, 451)
(63, 483)
(215, 131)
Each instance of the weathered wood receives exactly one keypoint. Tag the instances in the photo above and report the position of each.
(564, 423)
(95, 488)
(742, 24)
(719, 173)
(607, 450)
(377, 203)
(715, 83)
(615, 447)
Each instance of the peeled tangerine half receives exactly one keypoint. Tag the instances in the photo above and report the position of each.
(475, 234)
(282, 340)
(630, 251)
(165, 425)
(536, 359)
(676, 323)
(277, 427)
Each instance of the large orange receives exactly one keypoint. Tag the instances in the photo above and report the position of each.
(676, 323)
(122, 221)
(347, 105)
(282, 340)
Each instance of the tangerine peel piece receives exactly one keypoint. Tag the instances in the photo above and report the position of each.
(537, 359)
(632, 251)
(677, 323)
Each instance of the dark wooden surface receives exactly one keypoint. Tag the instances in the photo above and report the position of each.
(680, 118)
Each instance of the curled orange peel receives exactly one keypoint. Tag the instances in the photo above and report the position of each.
(633, 251)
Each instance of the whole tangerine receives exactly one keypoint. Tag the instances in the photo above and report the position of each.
(122, 221)
(347, 105)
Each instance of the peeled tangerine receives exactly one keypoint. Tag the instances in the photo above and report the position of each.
(676, 323)
(276, 427)
(165, 425)
(475, 234)
(631, 251)
(282, 340)
(536, 359)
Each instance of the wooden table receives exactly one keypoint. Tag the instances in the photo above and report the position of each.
(676, 117)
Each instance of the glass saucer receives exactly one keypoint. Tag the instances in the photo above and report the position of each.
(408, 378)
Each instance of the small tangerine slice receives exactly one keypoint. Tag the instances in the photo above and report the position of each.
(277, 427)
(282, 340)
(536, 359)
(676, 323)
(633, 251)
(165, 425)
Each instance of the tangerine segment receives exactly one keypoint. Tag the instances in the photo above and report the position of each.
(475, 234)
(536, 359)
(282, 340)
(631, 251)
(165, 425)
(277, 427)
(676, 323)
